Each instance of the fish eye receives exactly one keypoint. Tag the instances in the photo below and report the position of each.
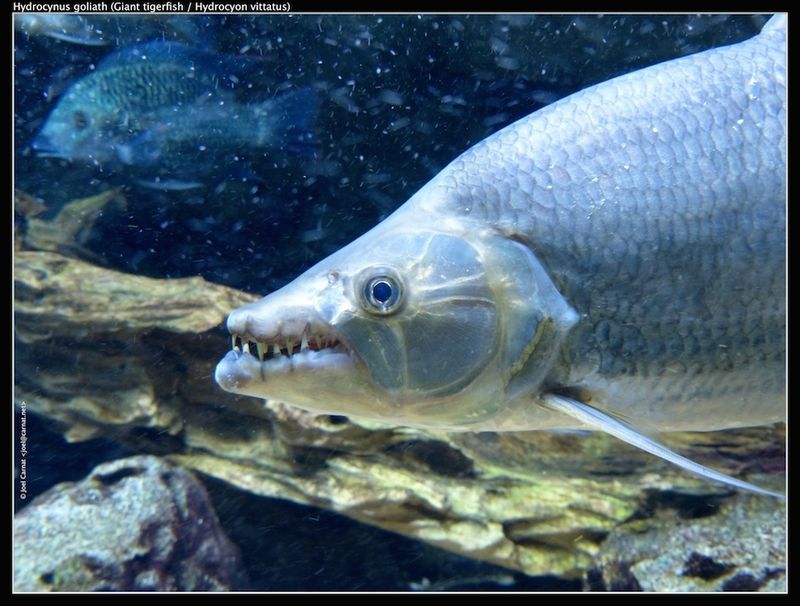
(382, 293)
(80, 120)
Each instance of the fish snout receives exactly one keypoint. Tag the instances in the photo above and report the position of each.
(45, 147)
(274, 319)
(255, 320)
(265, 327)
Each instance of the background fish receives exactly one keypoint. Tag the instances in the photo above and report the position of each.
(116, 30)
(75, 29)
(174, 114)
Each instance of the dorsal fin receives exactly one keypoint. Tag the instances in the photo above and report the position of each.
(159, 51)
(206, 63)
(601, 421)
(776, 26)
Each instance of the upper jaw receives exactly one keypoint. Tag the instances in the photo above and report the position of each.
(276, 326)
(284, 345)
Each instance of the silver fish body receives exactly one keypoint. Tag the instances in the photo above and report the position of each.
(622, 249)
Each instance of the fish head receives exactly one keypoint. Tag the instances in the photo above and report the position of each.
(387, 328)
(413, 325)
(84, 125)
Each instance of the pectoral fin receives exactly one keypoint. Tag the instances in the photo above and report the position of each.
(601, 421)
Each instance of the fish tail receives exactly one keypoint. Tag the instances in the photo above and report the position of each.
(287, 122)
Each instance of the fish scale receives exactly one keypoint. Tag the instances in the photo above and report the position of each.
(145, 87)
(674, 218)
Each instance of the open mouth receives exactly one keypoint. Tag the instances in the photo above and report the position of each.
(285, 347)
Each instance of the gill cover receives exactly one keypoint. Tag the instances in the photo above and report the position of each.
(422, 318)
(436, 310)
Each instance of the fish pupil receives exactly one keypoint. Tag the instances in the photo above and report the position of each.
(80, 120)
(382, 291)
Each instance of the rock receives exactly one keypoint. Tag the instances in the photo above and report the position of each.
(136, 524)
(737, 545)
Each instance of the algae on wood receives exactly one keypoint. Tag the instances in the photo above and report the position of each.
(59, 295)
(534, 502)
(70, 229)
(100, 350)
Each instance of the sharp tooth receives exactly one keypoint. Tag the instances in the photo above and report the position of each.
(304, 342)
(262, 349)
(276, 349)
(246, 346)
(289, 347)
(233, 342)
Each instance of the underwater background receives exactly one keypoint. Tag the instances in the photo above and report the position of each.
(385, 102)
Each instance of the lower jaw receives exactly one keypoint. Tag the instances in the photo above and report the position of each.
(242, 373)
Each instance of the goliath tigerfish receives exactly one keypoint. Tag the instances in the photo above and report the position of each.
(615, 261)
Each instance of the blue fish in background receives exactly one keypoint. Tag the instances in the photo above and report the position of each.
(117, 30)
(172, 116)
